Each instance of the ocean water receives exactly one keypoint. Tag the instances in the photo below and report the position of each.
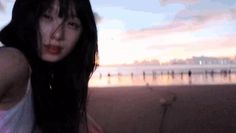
(163, 75)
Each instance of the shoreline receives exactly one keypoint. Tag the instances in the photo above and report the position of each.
(164, 86)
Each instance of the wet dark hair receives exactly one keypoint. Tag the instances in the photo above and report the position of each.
(63, 108)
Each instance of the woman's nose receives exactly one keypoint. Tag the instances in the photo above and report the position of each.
(58, 32)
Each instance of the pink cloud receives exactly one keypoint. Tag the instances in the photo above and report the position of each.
(206, 15)
(185, 21)
(176, 26)
(165, 2)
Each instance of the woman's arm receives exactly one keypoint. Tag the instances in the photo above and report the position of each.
(14, 74)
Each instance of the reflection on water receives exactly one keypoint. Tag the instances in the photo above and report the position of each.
(163, 78)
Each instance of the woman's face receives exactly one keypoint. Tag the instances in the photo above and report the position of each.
(57, 36)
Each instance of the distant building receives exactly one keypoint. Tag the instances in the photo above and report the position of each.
(201, 60)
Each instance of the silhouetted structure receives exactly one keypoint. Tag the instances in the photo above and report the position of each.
(172, 74)
(144, 75)
(189, 73)
(181, 75)
(132, 75)
(154, 74)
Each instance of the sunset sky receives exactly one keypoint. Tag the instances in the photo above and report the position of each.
(131, 30)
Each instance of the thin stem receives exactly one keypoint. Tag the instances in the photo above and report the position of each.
(165, 108)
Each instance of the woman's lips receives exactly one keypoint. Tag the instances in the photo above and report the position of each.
(53, 49)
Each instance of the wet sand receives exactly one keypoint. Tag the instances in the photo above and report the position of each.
(165, 109)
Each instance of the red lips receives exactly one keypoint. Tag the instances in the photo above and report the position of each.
(53, 49)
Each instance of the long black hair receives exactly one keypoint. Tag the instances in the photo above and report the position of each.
(59, 89)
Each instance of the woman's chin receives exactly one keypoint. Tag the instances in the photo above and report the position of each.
(51, 59)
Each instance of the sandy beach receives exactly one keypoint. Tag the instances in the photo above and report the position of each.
(164, 109)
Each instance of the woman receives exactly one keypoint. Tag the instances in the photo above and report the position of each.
(58, 39)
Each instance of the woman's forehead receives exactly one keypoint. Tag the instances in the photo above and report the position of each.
(54, 7)
(58, 9)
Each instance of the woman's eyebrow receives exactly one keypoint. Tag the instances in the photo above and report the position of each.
(72, 14)
(73, 17)
(49, 10)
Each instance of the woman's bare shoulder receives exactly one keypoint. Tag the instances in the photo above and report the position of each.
(14, 72)
(11, 59)
(10, 51)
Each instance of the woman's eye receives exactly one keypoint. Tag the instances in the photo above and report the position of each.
(47, 17)
(73, 25)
